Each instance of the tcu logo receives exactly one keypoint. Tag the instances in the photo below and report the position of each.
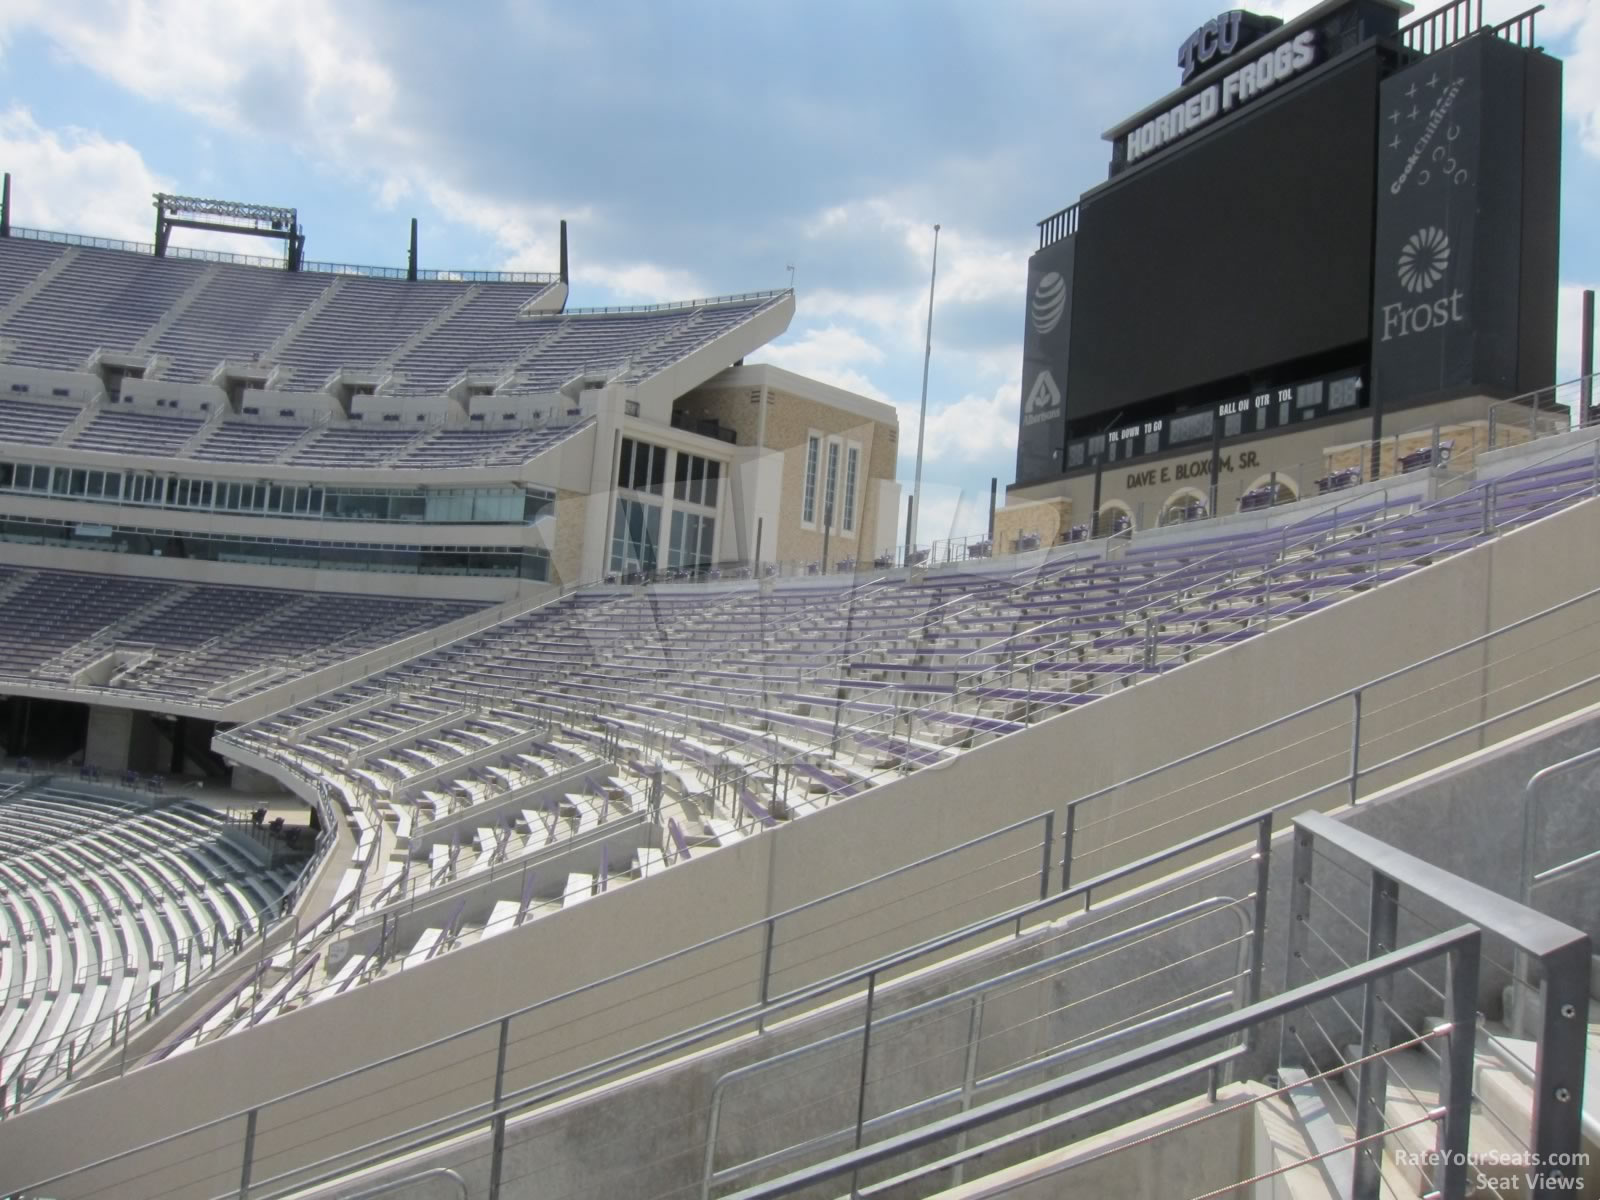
(1220, 37)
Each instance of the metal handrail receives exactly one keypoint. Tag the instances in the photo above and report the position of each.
(669, 306)
(257, 260)
(508, 1105)
(1561, 952)
(1460, 946)
(1530, 804)
(1349, 694)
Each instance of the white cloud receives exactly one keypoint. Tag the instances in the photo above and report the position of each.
(297, 67)
(834, 355)
(77, 180)
(973, 428)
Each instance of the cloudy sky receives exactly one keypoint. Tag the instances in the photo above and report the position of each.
(697, 147)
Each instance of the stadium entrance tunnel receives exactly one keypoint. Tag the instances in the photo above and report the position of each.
(43, 730)
(51, 732)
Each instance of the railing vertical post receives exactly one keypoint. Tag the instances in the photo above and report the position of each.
(1066, 846)
(1455, 1067)
(861, 1086)
(1558, 1078)
(969, 1079)
(766, 974)
(1295, 933)
(249, 1153)
(1258, 918)
(1049, 845)
(498, 1124)
(1383, 913)
(1355, 743)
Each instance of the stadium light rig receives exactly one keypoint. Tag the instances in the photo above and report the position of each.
(234, 216)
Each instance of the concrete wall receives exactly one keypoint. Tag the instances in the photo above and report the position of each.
(1060, 759)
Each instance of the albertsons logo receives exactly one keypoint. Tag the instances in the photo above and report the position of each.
(1044, 400)
(1049, 302)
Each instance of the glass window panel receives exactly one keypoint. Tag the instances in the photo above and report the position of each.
(832, 482)
(808, 502)
(851, 461)
(713, 470)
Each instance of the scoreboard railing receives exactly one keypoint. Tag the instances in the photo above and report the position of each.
(1463, 19)
(1057, 226)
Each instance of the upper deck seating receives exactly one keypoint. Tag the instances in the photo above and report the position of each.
(364, 322)
(21, 262)
(102, 299)
(239, 314)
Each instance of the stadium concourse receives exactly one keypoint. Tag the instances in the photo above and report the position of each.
(428, 707)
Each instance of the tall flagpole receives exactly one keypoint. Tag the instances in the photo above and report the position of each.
(922, 419)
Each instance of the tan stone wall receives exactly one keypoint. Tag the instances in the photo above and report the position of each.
(1468, 439)
(790, 419)
(567, 554)
(1047, 518)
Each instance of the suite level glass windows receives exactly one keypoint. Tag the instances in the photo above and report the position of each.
(424, 505)
(511, 561)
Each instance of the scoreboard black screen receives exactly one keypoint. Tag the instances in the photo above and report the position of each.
(1249, 247)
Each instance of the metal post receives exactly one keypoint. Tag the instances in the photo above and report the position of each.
(1383, 913)
(1586, 358)
(1066, 846)
(1049, 844)
(498, 1130)
(766, 974)
(249, 1154)
(1455, 1066)
(969, 1079)
(1258, 918)
(1355, 745)
(1299, 914)
(861, 1087)
(1558, 1083)
(922, 419)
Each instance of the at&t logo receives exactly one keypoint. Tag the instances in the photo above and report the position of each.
(1049, 302)
(1423, 263)
(1044, 400)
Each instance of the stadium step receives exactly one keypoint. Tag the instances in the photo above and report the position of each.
(175, 310)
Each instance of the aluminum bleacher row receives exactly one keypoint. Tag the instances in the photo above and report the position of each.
(717, 710)
(187, 641)
(192, 316)
(109, 903)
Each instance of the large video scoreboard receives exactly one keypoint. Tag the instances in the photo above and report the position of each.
(1320, 221)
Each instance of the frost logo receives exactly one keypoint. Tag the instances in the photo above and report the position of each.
(1423, 262)
(1424, 259)
(1049, 302)
(1044, 400)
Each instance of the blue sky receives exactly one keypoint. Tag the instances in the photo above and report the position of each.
(697, 147)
